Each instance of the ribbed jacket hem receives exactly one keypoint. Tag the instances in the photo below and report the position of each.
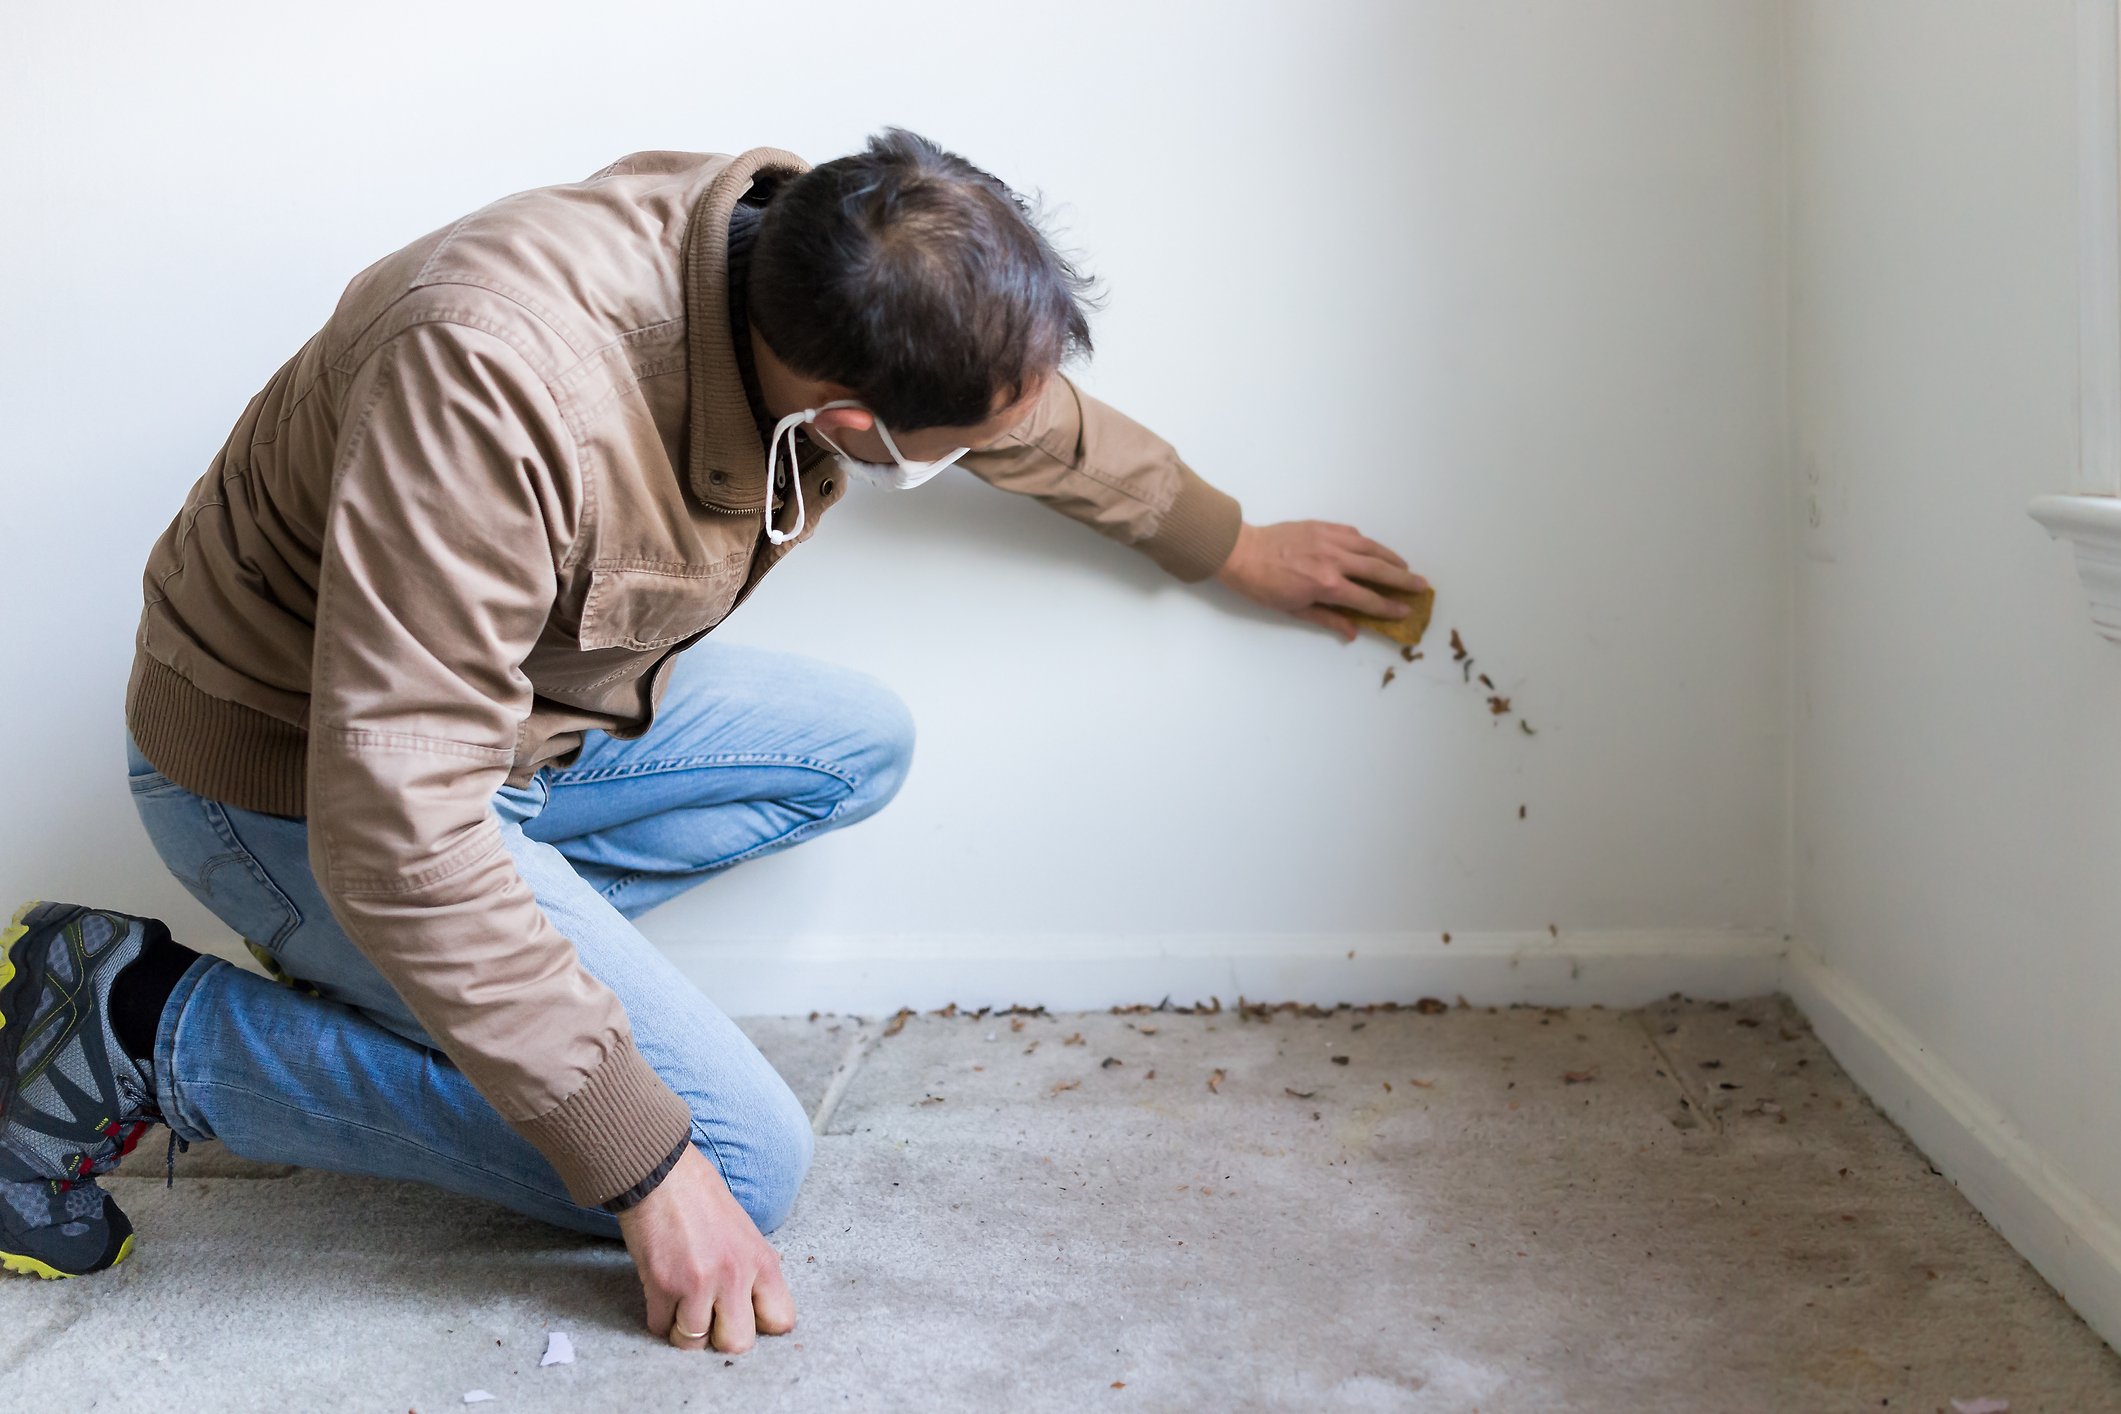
(213, 747)
(613, 1131)
(1198, 532)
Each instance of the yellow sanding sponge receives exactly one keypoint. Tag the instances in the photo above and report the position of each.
(1407, 629)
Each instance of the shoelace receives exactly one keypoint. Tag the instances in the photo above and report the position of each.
(169, 1161)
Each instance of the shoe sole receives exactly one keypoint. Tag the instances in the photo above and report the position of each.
(31, 1267)
(17, 929)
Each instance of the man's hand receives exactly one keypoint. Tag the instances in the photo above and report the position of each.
(1306, 567)
(704, 1267)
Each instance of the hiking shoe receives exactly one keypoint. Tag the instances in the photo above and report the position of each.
(59, 1229)
(72, 1102)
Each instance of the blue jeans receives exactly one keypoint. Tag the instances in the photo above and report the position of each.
(751, 751)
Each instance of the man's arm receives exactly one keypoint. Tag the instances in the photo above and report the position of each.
(450, 510)
(1092, 462)
(452, 505)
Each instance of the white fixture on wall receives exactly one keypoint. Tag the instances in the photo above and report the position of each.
(2092, 525)
(2089, 518)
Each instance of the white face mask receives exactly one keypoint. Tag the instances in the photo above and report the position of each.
(902, 477)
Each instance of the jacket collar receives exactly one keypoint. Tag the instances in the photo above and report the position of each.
(725, 462)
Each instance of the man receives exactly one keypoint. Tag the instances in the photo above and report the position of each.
(408, 709)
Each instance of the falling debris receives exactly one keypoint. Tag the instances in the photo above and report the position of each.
(1525, 727)
(1447, 939)
(1580, 1077)
(931, 1099)
(1458, 648)
(1016, 1023)
(898, 1021)
(1060, 1085)
(1430, 1006)
(559, 1350)
(1215, 1082)
(1410, 655)
(1552, 931)
(1421, 1084)
(1520, 812)
(1390, 673)
(1075, 1040)
(1109, 1061)
(1487, 682)
(1299, 1094)
(1498, 705)
(1340, 1060)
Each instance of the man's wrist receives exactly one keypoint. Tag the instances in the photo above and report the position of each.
(1232, 570)
(632, 1196)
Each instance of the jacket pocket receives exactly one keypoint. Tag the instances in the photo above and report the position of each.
(641, 605)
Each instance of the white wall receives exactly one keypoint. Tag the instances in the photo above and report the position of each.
(1959, 722)
(1499, 283)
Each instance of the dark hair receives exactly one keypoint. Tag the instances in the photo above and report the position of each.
(917, 280)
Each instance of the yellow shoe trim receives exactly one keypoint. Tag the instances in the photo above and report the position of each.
(31, 1267)
(16, 928)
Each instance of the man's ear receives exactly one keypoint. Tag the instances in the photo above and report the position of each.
(832, 420)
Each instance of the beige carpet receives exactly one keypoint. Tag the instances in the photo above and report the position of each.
(1683, 1208)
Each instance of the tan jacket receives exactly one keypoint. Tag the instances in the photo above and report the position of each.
(478, 514)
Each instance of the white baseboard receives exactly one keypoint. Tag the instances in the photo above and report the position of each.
(872, 975)
(2069, 1239)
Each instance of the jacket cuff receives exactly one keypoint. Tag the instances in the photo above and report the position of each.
(1197, 534)
(612, 1131)
(646, 1186)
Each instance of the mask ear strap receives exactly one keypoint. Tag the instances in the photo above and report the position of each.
(786, 428)
(892, 447)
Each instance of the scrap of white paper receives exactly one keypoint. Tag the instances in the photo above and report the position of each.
(1983, 1405)
(477, 1396)
(559, 1350)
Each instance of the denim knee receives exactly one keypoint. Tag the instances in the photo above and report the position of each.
(885, 754)
(773, 1160)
